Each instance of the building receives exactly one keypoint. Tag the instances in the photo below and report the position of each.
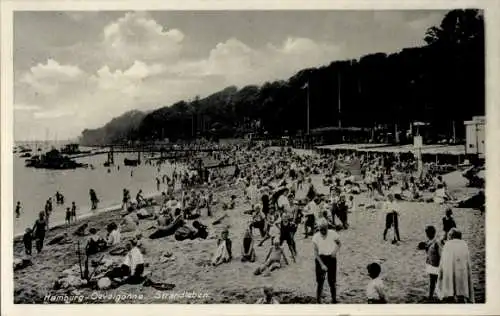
(475, 135)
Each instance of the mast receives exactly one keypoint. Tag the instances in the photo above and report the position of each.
(307, 107)
(338, 101)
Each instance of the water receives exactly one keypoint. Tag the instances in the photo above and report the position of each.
(34, 186)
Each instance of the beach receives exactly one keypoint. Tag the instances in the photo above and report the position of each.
(403, 265)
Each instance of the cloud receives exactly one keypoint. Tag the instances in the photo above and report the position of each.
(136, 36)
(47, 78)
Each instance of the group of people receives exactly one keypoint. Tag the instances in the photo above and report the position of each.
(271, 182)
(41, 225)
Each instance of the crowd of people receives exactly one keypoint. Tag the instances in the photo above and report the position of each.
(271, 180)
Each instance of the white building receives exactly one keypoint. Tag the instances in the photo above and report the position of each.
(475, 135)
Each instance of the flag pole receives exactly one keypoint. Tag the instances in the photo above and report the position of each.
(338, 89)
(308, 107)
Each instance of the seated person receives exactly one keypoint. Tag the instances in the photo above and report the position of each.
(95, 243)
(81, 230)
(440, 195)
(130, 221)
(114, 235)
(223, 253)
(268, 297)
(247, 249)
(132, 267)
(273, 258)
(201, 230)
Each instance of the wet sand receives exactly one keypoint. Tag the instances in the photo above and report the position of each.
(402, 264)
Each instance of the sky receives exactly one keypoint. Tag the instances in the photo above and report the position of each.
(79, 69)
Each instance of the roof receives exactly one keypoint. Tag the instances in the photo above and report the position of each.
(336, 128)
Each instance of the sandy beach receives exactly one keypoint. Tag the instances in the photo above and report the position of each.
(403, 266)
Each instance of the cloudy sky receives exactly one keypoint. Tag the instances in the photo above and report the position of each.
(76, 70)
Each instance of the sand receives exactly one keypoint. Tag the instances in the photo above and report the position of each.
(402, 264)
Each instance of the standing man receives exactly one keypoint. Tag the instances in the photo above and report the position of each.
(326, 246)
(18, 209)
(392, 219)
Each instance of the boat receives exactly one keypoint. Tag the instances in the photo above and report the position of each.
(25, 155)
(53, 160)
(131, 162)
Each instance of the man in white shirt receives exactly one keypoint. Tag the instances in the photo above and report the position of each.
(284, 203)
(326, 245)
(311, 212)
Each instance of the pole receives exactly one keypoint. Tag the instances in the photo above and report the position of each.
(338, 89)
(454, 133)
(307, 107)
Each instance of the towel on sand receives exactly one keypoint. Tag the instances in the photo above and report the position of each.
(455, 276)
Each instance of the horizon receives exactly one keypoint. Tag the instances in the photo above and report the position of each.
(78, 70)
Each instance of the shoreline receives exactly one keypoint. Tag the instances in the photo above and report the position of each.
(88, 215)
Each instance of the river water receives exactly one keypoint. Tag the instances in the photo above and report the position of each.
(32, 187)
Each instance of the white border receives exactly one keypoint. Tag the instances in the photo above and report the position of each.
(492, 19)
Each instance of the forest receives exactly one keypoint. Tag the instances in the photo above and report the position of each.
(442, 83)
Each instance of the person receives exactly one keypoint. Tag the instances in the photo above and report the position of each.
(130, 221)
(114, 235)
(287, 231)
(125, 199)
(158, 184)
(94, 242)
(448, 223)
(73, 211)
(311, 212)
(48, 211)
(268, 297)
(39, 229)
(326, 245)
(132, 268)
(433, 251)
(375, 292)
(284, 202)
(93, 199)
(392, 219)
(247, 247)
(139, 198)
(455, 271)
(28, 241)
(273, 259)
(223, 253)
(351, 206)
(68, 216)
(18, 209)
(273, 231)
(342, 209)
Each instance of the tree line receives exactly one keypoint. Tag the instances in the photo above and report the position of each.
(440, 83)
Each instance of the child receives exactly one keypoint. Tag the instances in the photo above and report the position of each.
(268, 297)
(247, 249)
(375, 289)
(73, 212)
(28, 241)
(448, 223)
(433, 250)
(223, 253)
(68, 216)
(273, 258)
(18, 209)
(350, 204)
